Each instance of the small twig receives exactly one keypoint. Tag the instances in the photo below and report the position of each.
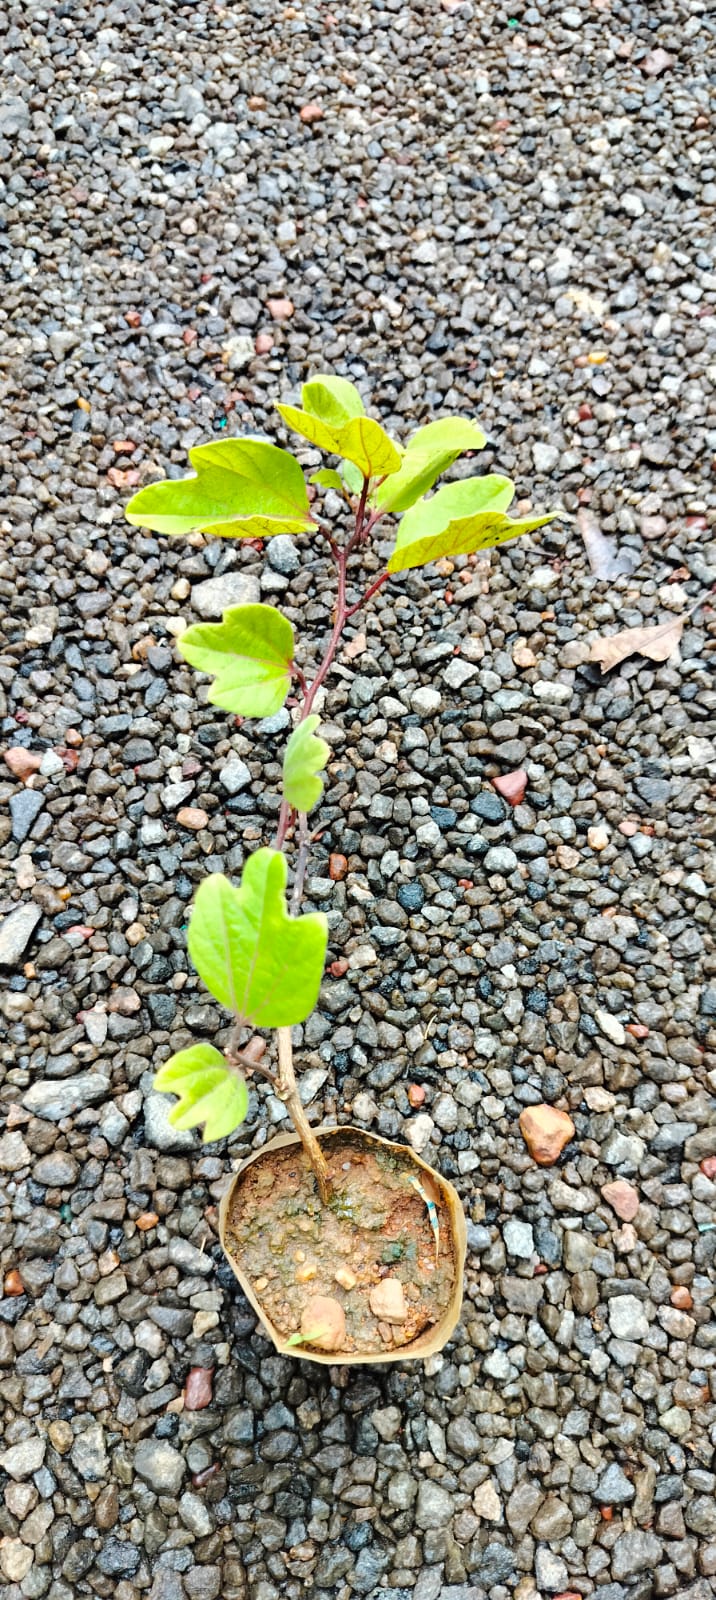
(283, 821)
(304, 847)
(370, 591)
(238, 1058)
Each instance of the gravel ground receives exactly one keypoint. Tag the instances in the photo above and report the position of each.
(501, 213)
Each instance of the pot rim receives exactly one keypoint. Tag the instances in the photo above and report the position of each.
(427, 1343)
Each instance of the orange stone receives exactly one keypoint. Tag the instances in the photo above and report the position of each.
(192, 817)
(546, 1131)
(13, 1284)
(337, 868)
(681, 1298)
(622, 1198)
(511, 785)
(416, 1095)
(323, 1322)
(638, 1030)
(708, 1167)
(148, 1219)
(21, 762)
(311, 113)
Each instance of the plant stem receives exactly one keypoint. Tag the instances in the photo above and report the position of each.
(287, 1091)
(285, 1082)
(304, 848)
(373, 589)
(335, 639)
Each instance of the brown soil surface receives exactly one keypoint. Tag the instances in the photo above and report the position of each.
(376, 1226)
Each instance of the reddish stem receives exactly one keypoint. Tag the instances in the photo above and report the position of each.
(373, 589)
(362, 530)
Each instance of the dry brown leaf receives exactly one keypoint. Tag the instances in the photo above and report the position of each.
(657, 643)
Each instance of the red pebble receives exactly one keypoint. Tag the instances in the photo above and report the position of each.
(416, 1095)
(337, 868)
(198, 1388)
(638, 1030)
(465, 883)
(708, 1166)
(13, 1284)
(511, 785)
(585, 412)
(311, 113)
(338, 968)
(681, 1298)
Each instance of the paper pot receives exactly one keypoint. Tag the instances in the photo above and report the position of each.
(431, 1339)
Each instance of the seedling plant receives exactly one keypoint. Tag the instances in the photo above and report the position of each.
(261, 960)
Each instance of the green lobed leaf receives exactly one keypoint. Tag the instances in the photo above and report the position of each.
(361, 441)
(258, 962)
(249, 653)
(334, 401)
(429, 451)
(460, 518)
(306, 756)
(243, 488)
(209, 1091)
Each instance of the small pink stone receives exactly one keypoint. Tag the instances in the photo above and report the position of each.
(263, 343)
(198, 1389)
(280, 310)
(622, 1198)
(21, 762)
(511, 785)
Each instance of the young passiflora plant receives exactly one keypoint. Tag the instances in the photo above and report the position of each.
(263, 964)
